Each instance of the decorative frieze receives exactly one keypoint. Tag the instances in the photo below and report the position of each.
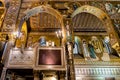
(97, 63)
(97, 71)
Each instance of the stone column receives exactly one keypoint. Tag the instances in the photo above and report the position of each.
(70, 62)
(36, 75)
(3, 75)
(70, 65)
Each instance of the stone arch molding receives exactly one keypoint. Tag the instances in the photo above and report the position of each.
(114, 38)
(47, 9)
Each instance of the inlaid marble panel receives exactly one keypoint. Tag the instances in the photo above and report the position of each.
(21, 57)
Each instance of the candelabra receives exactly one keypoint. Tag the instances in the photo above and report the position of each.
(59, 35)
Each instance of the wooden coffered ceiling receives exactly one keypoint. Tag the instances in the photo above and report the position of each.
(84, 22)
(44, 22)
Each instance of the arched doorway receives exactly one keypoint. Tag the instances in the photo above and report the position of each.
(114, 39)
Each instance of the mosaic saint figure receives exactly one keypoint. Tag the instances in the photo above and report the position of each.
(42, 41)
(112, 9)
(109, 7)
(76, 49)
(97, 44)
(107, 45)
(92, 51)
(85, 50)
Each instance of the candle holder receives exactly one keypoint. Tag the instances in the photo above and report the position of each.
(59, 35)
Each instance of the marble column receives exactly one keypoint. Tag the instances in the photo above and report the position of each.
(70, 61)
(70, 65)
(3, 75)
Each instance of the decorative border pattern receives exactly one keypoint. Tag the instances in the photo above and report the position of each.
(11, 16)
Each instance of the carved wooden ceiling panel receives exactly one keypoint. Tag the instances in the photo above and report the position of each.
(87, 22)
(84, 22)
(44, 22)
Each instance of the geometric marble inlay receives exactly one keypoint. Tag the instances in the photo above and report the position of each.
(20, 58)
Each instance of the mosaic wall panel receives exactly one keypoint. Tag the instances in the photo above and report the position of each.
(11, 15)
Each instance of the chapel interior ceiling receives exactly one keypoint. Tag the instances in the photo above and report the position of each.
(84, 22)
(87, 22)
(44, 22)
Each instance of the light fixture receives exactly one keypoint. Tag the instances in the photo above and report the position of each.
(59, 35)
(15, 34)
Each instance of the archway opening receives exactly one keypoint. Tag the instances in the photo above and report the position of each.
(92, 21)
(114, 38)
(42, 19)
